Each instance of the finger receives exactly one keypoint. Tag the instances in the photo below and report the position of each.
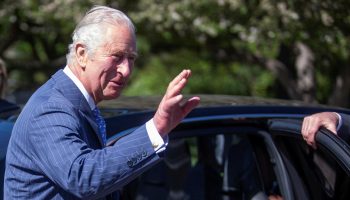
(167, 105)
(190, 105)
(183, 75)
(304, 126)
(176, 89)
(312, 143)
(173, 101)
(332, 128)
(311, 132)
(311, 139)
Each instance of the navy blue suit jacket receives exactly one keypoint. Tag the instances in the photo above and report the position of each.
(344, 131)
(55, 151)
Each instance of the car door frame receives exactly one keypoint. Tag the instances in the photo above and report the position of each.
(339, 149)
(335, 147)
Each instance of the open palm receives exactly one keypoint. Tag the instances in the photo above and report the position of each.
(172, 109)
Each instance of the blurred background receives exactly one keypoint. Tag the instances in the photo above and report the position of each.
(292, 49)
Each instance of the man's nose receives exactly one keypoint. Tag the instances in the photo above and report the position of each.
(125, 67)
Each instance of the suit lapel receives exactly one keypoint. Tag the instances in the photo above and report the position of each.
(94, 126)
(73, 94)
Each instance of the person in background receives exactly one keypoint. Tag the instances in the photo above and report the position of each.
(335, 122)
(5, 124)
(58, 146)
(3, 79)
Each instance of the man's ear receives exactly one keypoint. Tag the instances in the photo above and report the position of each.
(81, 54)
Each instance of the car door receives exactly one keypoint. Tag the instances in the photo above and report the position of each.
(321, 173)
(218, 159)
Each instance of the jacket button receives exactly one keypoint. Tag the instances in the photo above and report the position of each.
(134, 160)
(130, 163)
(139, 157)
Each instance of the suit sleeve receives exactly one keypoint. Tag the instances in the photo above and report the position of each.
(60, 152)
(344, 131)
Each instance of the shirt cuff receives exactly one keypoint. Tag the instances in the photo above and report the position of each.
(159, 144)
(340, 122)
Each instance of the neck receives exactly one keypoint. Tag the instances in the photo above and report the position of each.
(78, 72)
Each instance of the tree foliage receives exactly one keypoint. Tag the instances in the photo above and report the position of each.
(288, 49)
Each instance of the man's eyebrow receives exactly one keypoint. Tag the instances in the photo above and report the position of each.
(126, 52)
(129, 53)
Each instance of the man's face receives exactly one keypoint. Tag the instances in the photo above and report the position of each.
(108, 69)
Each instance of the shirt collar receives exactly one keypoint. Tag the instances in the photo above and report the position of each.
(81, 87)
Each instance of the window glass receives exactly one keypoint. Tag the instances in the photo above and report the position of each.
(218, 166)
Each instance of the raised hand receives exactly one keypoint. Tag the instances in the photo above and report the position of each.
(172, 109)
(312, 123)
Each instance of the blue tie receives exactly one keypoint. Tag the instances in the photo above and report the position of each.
(101, 124)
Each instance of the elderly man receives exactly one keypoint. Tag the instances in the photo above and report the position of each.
(57, 148)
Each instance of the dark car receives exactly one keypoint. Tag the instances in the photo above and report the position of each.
(236, 148)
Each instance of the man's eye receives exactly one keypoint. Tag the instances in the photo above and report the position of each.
(118, 57)
(131, 58)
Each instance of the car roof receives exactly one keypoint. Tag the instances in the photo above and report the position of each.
(135, 104)
(129, 112)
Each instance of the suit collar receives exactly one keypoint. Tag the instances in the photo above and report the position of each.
(72, 93)
(80, 86)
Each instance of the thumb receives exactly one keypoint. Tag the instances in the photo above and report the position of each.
(332, 127)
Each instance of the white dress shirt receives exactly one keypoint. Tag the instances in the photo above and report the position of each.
(153, 134)
(340, 121)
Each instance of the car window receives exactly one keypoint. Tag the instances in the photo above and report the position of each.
(213, 166)
(315, 172)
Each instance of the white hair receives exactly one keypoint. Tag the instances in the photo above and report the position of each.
(90, 30)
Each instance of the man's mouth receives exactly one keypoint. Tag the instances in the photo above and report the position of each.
(119, 84)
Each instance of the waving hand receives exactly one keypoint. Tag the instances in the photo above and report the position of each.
(172, 109)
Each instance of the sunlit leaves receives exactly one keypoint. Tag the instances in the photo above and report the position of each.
(215, 38)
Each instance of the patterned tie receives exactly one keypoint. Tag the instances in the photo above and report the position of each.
(101, 124)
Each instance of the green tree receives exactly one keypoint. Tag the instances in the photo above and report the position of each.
(301, 43)
(34, 37)
(290, 49)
